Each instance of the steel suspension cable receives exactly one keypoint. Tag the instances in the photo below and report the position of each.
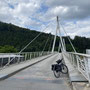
(29, 43)
(33, 39)
(68, 38)
(45, 44)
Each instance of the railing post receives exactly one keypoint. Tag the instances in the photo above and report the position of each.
(77, 57)
(70, 57)
(37, 54)
(2, 63)
(34, 54)
(73, 58)
(25, 56)
(8, 60)
(18, 58)
(30, 55)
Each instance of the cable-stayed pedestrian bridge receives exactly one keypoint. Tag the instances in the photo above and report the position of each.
(32, 70)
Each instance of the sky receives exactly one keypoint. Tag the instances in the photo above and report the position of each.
(74, 15)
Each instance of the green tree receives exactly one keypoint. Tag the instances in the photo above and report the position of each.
(7, 49)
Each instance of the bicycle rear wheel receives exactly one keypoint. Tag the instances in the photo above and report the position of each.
(64, 69)
(56, 74)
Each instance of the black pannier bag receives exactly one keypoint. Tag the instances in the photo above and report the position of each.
(56, 67)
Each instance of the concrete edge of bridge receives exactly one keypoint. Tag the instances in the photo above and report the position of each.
(6, 73)
(76, 79)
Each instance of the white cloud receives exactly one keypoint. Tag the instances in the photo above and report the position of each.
(59, 10)
(19, 12)
(26, 9)
(77, 9)
(27, 13)
(81, 28)
(5, 12)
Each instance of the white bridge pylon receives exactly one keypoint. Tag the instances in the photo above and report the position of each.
(61, 42)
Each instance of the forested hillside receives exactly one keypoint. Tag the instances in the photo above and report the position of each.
(14, 38)
(17, 37)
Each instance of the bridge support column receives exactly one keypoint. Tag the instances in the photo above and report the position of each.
(61, 40)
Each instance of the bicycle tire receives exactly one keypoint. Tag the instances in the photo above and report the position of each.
(64, 69)
(56, 74)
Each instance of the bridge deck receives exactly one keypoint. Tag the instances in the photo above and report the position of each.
(37, 77)
(8, 71)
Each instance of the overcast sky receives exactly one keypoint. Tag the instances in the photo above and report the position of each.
(74, 15)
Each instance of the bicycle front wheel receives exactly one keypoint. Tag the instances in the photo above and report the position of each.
(56, 74)
(64, 69)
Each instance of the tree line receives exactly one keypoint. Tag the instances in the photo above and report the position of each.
(14, 38)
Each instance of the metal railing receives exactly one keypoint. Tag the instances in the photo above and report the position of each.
(81, 62)
(7, 59)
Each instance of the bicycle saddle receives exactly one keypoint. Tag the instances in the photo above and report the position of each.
(59, 61)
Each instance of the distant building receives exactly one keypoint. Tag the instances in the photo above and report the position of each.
(87, 51)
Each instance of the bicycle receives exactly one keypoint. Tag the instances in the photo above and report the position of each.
(59, 67)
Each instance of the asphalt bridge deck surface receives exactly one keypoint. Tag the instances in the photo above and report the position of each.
(37, 77)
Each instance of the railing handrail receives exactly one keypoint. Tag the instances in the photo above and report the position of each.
(85, 55)
(7, 59)
(22, 52)
(81, 62)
